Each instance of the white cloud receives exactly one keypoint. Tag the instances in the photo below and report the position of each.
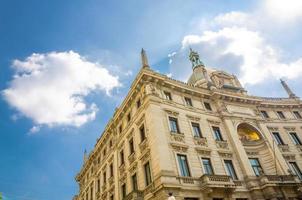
(259, 59)
(34, 130)
(284, 10)
(50, 88)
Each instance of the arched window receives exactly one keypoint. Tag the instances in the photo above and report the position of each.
(248, 133)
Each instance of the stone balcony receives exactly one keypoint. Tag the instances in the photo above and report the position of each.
(134, 195)
(132, 158)
(143, 145)
(283, 147)
(272, 181)
(200, 141)
(222, 144)
(210, 182)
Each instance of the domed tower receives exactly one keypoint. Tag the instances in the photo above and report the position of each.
(200, 77)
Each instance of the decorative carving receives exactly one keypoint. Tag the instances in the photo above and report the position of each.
(133, 168)
(252, 153)
(145, 156)
(222, 144)
(284, 147)
(200, 141)
(289, 156)
(273, 128)
(205, 152)
(225, 154)
(289, 128)
(180, 147)
(132, 157)
(171, 112)
(143, 145)
(193, 118)
(178, 137)
(213, 122)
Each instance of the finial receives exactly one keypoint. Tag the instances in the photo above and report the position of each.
(144, 58)
(287, 89)
(194, 58)
(85, 156)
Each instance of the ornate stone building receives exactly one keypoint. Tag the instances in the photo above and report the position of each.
(204, 139)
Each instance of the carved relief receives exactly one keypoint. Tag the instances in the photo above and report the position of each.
(179, 147)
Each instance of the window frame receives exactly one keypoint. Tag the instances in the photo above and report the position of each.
(147, 173)
(280, 114)
(174, 119)
(264, 114)
(207, 106)
(142, 130)
(131, 146)
(188, 101)
(183, 172)
(220, 138)
(295, 169)
(196, 125)
(232, 173)
(205, 169)
(167, 95)
(258, 167)
(297, 114)
(277, 138)
(296, 140)
(134, 182)
(122, 157)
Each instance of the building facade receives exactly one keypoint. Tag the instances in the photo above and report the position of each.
(200, 140)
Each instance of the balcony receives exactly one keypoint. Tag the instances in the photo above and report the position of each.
(210, 182)
(283, 147)
(222, 144)
(278, 179)
(134, 195)
(132, 157)
(177, 137)
(186, 180)
(201, 141)
(143, 145)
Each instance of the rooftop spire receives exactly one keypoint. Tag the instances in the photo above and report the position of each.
(194, 58)
(287, 89)
(144, 58)
(85, 156)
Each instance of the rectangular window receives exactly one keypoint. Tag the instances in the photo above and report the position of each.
(99, 185)
(183, 165)
(281, 115)
(207, 166)
(297, 115)
(207, 106)
(104, 152)
(188, 101)
(134, 182)
(129, 117)
(131, 146)
(295, 169)
(91, 193)
(167, 95)
(138, 103)
(111, 170)
(196, 130)
(122, 157)
(173, 125)
(295, 138)
(148, 178)
(217, 133)
(230, 169)
(278, 138)
(120, 128)
(124, 193)
(104, 178)
(264, 114)
(256, 166)
(112, 197)
(142, 133)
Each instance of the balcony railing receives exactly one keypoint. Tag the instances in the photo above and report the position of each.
(278, 179)
(216, 181)
(222, 144)
(143, 145)
(134, 195)
(284, 147)
(200, 141)
(186, 180)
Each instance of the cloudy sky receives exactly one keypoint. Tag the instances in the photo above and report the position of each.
(66, 65)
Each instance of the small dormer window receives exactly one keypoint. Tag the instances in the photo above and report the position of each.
(188, 101)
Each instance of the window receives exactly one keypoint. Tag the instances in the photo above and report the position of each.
(295, 138)
(91, 193)
(278, 138)
(129, 117)
(280, 114)
(112, 197)
(111, 170)
(123, 190)
(134, 182)
(230, 169)
(148, 178)
(183, 165)
(207, 106)
(173, 125)
(188, 101)
(167, 95)
(295, 169)
(120, 128)
(98, 185)
(217, 133)
(131, 146)
(104, 152)
(122, 157)
(207, 166)
(104, 178)
(138, 103)
(297, 115)
(110, 143)
(256, 166)
(142, 133)
(196, 130)
(264, 114)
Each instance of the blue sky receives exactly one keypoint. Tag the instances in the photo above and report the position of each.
(66, 65)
